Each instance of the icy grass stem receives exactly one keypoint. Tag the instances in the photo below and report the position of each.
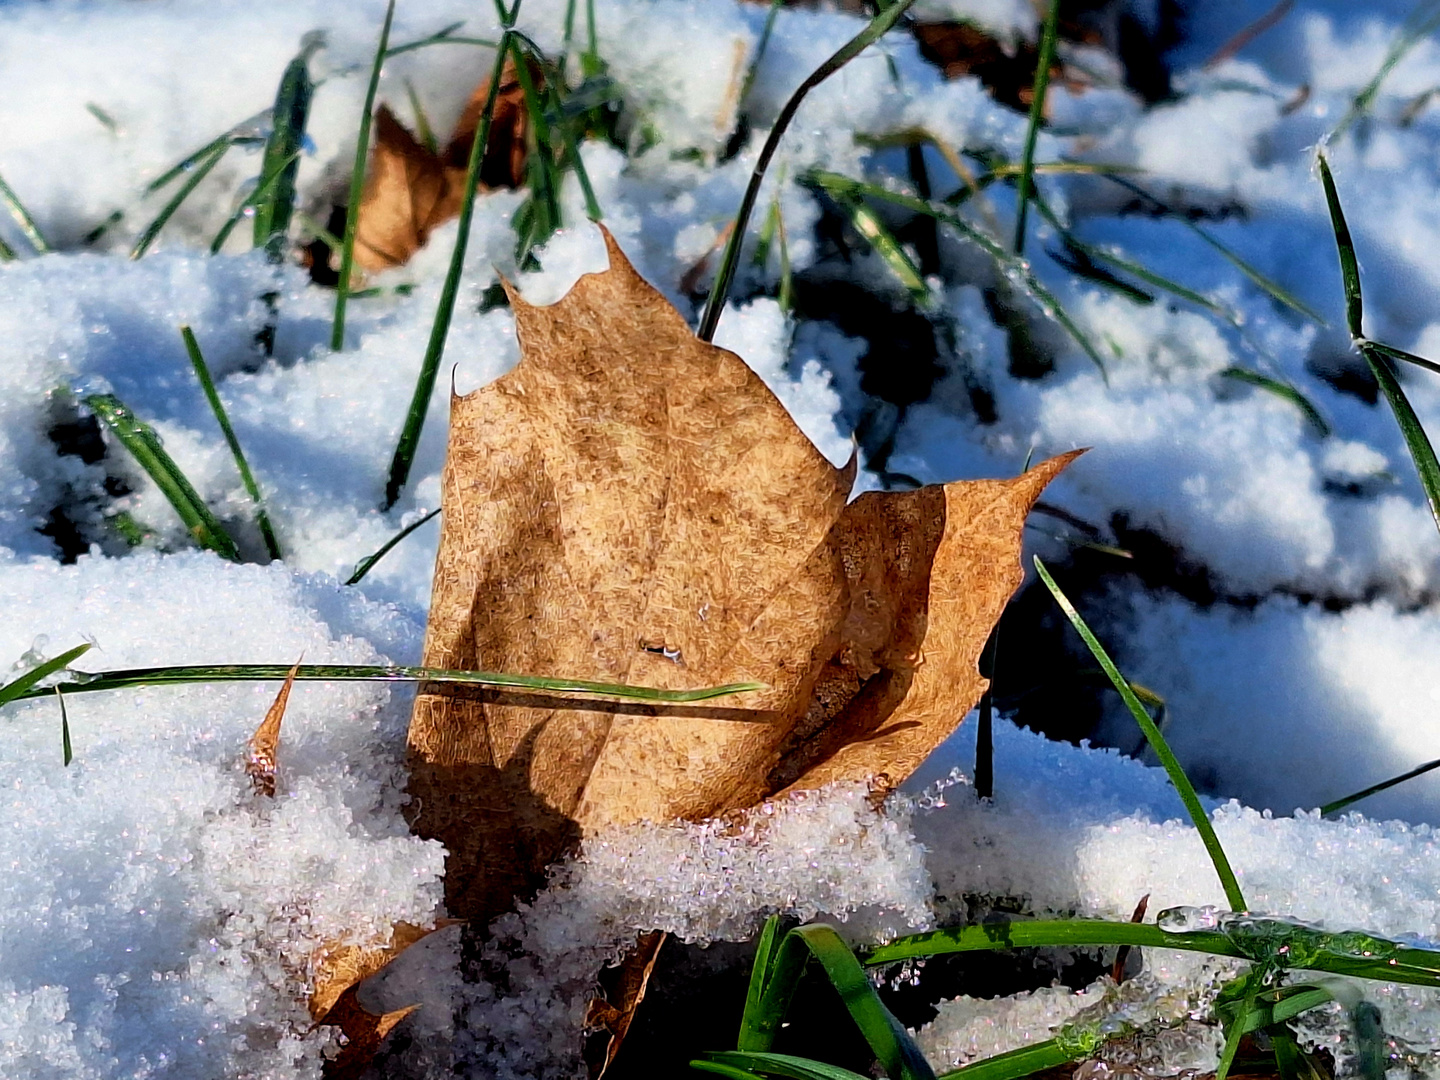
(131, 678)
(365, 565)
(357, 186)
(1378, 358)
(1198, 817)
(207, 384)
(144, 445)
(1026, 181)
(878, 26)
(409, 441)
(198, 173)
(23, 219)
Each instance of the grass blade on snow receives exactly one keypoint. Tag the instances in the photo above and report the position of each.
(197, 174)
(794, 1068)
(262, 191)
(357, 186)
(25, 686)
(207, 384)
(282, 151)
(1198, 817)
(365, 565)
(144, 445)
(1375, 789)
(23, 219)
(1026, 179)
(1282, 389)
(66, 750)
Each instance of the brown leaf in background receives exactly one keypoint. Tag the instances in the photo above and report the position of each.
(624, 991)
(631, 504)
(411, 190)
(261, 752)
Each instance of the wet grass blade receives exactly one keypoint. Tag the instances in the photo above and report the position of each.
(236, 136)
(1374, 789)
(1281, 389)
(787, 1065)
(282, 153)
(357, 186)
(1022, 1062)
(133, 678)
(409, 441)
(144, 445)
(262, 191)
(1198, 817)
(197, 174)
(25, 686)
(1237, 1027)
(365, 565)
(877, 28)
(23, 219)
(1026, 181)
(1416, 441)
(207, 384)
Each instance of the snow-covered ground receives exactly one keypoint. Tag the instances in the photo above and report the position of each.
(154, 919)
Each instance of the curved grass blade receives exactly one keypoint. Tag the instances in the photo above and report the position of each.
(1198, 817)
(7, 253)
(131, 678)
(787, 1065)
(1026, 181)
(144, 445)
(445, 36)
(207, 384)
(1400, 354)
(197, 174)
(25, 686)
(1345, 248)
(1022, 1062)
(409, 440)
(1374, 789)
(365, 565)
(23, 219)
(865, 222)
(719, 1068)
(760, 973)
(262, 191)
(877, 28)
(357, 187)
(242, 134)
(282, 152)
(1282, 389)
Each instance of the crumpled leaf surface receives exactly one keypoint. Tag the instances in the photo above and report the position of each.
(632, 504)
(410, 190)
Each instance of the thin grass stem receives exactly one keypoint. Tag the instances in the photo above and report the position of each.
(1026, 180)
(1418, 27)
(1281, 389)
(1375, 789)
(357, 186)
(732, 1063)
(288, 120)
(262, 190)
(66, 751)
(207, 384)
(147, 237)
(28, 684)
(23, 219)
(365, 565)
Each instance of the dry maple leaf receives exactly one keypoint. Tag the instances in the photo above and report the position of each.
(261, 753)
(631, 504)
(410, 190)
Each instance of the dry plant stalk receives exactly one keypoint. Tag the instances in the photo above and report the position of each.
(262, 751)
(632, 504)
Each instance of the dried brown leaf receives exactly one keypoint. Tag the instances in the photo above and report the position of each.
(261, 753)
(615, 1012)
(631, 504)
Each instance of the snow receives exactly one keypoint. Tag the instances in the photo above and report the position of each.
(158, 920)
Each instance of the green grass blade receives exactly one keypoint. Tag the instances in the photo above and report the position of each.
(1418, 27)
(1237, 1028)
(718, 1068)
(1370, 1041)
(365, 565)
(1026, 180)
(1022, 1062)
(1374, 789)
(282, 153)
(787, 1065)
(865, 222)
(876, 29)
(542, 176)
(25, 685)
(197, 174)
(1281, 389)
(759, 978)
(1400, 354)
(1345, 246)
(232, 137)
(572, 139)
(7, 253)
(111, 220)
(262, 191)
(66, 750)
(131, 678)
(409, 441)
(423, 131)
(763, 44)
(1157, 742)
(23, 219)
(444, 36)
(207, 384)
(144, 445)
(357, 186)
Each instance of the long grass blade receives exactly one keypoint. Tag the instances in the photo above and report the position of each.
(244, 133)
(720, 1068)
(1237, 1028)
(877, 28)
(357, 186)
(144, 445)
(1281, 389)
(1026, 180)
(282, 153)
(66, 750)
(197, 174)
(1400, 354)
(7, 253)
(444, 36)
(1022, 1062)
(1375, 789)
(131, 678)
(1198, 817)
(365, 565)
(23, 219)
(409, 442)
(787, 1065)
(207, 384)
(759, 978)
(27, 685)
(542, 176)
(865, 222)
(1345, 248)
(262, 191)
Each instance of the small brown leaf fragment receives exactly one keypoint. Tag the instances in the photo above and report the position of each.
(505, 150)
(615, 1012)
(261, 752)
(631, 504)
